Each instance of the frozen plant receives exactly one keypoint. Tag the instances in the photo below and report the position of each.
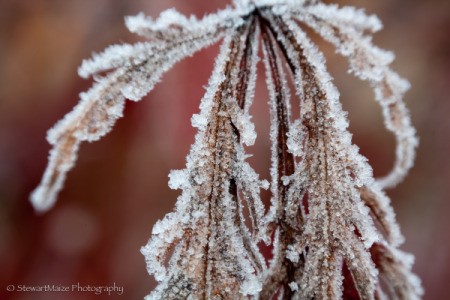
(331, 226)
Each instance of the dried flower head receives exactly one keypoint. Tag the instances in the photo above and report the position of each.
(332, 228)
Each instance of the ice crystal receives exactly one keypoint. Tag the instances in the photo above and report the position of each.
(332, 228)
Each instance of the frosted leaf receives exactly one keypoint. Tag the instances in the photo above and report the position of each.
(61, 160)
(371, 63)
(171, 24)
(145, 76)
(113, 57)
(330, 213)
(137, 69)
(347, 15)
(250, 185)
(382, 212)
(169, 20)
(89, 120)
(216, 241)
(282, 167)
(395, 266)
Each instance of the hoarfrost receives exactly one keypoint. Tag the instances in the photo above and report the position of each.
(335, 223)
(217, 240)
(329, 222)
(178, 179)
(136, 69)
(294, 286)
(370, 63)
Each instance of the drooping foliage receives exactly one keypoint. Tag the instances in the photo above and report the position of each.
(332, 228)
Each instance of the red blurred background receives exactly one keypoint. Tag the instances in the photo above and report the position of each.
(118, 188)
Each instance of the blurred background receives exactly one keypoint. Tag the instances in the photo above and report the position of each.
(118, 188)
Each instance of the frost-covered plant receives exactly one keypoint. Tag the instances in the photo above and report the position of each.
(332, 228)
